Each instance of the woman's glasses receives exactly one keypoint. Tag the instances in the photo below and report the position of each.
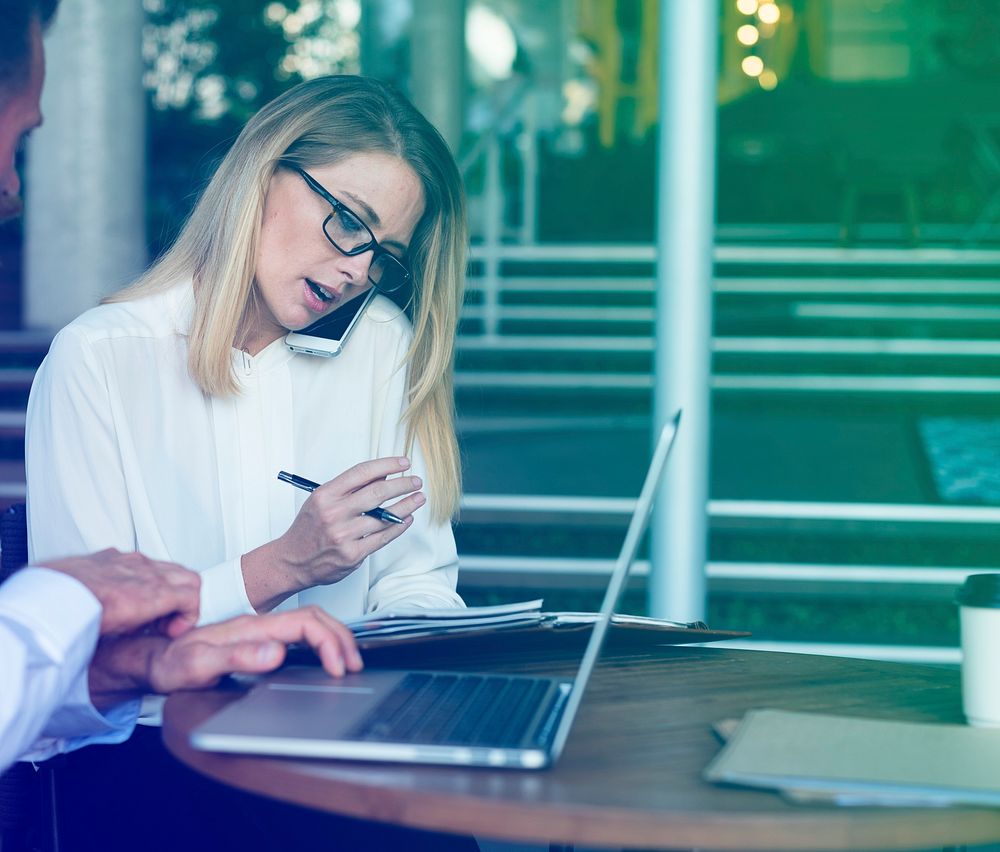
(349, 235)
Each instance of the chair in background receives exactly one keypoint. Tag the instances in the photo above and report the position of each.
(13, 540)
(27, 794)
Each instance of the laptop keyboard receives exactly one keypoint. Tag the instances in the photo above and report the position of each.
(459, 709)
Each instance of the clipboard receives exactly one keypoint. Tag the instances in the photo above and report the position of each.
(552, 631)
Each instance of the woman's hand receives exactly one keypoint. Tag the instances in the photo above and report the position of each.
(331, 535)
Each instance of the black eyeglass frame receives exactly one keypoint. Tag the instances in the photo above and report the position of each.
(372, 244)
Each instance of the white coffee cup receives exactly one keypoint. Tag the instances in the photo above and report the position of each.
(979, 608)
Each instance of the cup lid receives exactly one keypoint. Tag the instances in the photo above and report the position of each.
(982, 590)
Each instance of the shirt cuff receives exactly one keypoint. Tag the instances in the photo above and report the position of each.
(223, 593)
(77, 718)
(438, 599)
(116, 727)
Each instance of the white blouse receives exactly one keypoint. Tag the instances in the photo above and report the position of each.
(124, 450)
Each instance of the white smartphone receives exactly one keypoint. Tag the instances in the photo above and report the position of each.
(328, 335)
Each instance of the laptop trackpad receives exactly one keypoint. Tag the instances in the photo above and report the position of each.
(300, 703)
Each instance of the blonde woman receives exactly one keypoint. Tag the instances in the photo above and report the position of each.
(160, 419)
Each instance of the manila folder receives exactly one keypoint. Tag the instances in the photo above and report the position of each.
(908, 762)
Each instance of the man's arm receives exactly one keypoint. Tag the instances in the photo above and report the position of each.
(48, 630)
(52, 695)
(53, 615)
(126, 667)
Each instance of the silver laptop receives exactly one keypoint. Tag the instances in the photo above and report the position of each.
(456, 718)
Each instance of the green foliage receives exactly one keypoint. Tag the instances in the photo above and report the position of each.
(212, 65)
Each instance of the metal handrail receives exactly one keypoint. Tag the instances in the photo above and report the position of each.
(749, 254)
(759, 509)
(733, 345)
(751, 286)
(927, 654)
(742, 383)
(925, 575)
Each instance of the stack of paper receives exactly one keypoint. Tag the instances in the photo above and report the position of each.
(574, 619)
(393, 628)
(413, 621)
(846, 760)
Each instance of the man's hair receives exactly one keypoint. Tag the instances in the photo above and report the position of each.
(16, 17)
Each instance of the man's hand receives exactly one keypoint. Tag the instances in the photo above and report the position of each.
(250, 644)
(135, 591)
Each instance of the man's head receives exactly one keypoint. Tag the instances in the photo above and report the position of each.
(22, 71)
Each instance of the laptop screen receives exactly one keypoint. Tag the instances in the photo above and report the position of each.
(636, 528)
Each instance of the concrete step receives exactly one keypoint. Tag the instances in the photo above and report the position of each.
(582, 392)
(546, 354)
(779, 305)
(584, 283)
(25, 341)
(15, 385)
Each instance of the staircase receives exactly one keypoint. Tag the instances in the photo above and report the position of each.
(20, 354)
(834, 378)
(832, 370)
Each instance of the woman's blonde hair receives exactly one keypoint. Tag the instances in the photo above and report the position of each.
(318, 123)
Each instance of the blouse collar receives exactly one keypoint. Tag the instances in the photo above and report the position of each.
(181, 308)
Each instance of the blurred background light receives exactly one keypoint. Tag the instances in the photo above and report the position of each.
(752, 66)
(747, 7)
(275, 12)
(580, 100)
(491, 42)
(748, 34)
(769, 13)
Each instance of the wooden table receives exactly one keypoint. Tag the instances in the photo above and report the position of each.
(631, 772)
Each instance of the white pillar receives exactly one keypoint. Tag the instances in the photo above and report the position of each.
(437, 65)
(85, 195)
(684, 240)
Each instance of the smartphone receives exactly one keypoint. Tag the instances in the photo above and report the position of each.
(328, 335)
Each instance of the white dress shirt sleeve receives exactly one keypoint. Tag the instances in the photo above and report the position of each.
(223, 593)
(48, 631)
(78, 500)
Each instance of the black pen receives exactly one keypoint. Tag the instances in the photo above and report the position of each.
(378, 512)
